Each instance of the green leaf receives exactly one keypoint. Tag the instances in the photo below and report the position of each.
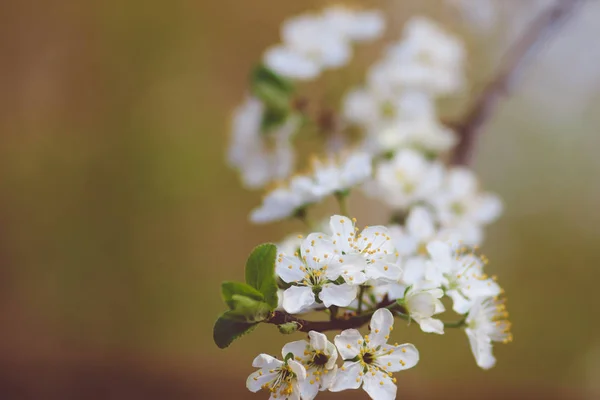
(260, 272)
(288, 327)
(272, 118)
(229, 289)
(263, 75)
(246, 309)
(227, 329)
(273, 98)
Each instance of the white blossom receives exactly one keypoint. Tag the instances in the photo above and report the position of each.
(290, 244)
(318, 356)
(376, 359)
(355, 25)
(369, 254)
(312, 274)
(422, 303)
(281, 378)
(460, 274)
(487, 323)
(310, 44)
(425, 134)
(406, 179)
(260, 157)
(284, 201)
(376, 111)
(426, 59)
(419, 229)
(461, 206)
(333, 176)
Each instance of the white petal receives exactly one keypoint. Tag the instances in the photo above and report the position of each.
(297, 298)
(420, 224)
(431, 325)
(420, 304)
(318, 250)
(348, 377)
(298, 369)
(489, 208)
(380, 325)
(257, 379)
(331, 350)
(440, 252)
(460, 304)
(328, 378)
(398, 358)
(291, 64)
(376, 238)
(380, 386)
(462, 182)
(318, 340)
(482, 350)
(347, 343)
(265, 360)
(383, 270)
(288, 269)
(309, 387)
(297, 348)
(339, 295)
(413, 271)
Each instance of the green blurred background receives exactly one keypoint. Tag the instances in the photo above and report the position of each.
(119, 217)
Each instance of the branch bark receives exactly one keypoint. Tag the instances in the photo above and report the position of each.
(514, 60)
(282, 317)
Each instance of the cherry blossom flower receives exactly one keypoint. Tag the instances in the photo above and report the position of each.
(460, 274)
(318, 356)
(370, 361)
(281, 378)
(406, 179)
(369, 254)
(487, 323)
(313, 273)
(260, 157)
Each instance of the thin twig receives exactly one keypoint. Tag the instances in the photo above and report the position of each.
(281, 317)
(514, 60)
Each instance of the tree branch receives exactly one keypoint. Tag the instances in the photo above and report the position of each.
(282, 317)
(514, 60)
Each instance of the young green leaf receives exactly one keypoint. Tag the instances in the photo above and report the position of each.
(246, 309)
(227, 329)
(266, 76)
(288, 327)
(229, 289)
(260, 272)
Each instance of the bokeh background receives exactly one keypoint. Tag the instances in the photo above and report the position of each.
(119, 217)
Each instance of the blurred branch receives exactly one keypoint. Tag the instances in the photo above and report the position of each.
(546, 23)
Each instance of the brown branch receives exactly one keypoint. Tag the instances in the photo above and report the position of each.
(514, 60)
(282, 317)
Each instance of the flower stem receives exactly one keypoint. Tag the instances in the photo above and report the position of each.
(361, 292)
(456, 324)
(302, 215)
(341, 198)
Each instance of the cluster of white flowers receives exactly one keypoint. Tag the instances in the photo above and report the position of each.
(331, 176)
(426, 253)
(396, 106)
(310, 366)
(315, 42)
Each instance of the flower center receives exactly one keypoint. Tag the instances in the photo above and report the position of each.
(320, 359)
(282, 383)
(368, 358)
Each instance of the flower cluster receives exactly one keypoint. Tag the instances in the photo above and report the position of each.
(310, 366)
(419, 262)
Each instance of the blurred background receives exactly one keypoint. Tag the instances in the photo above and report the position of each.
(119, 218)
